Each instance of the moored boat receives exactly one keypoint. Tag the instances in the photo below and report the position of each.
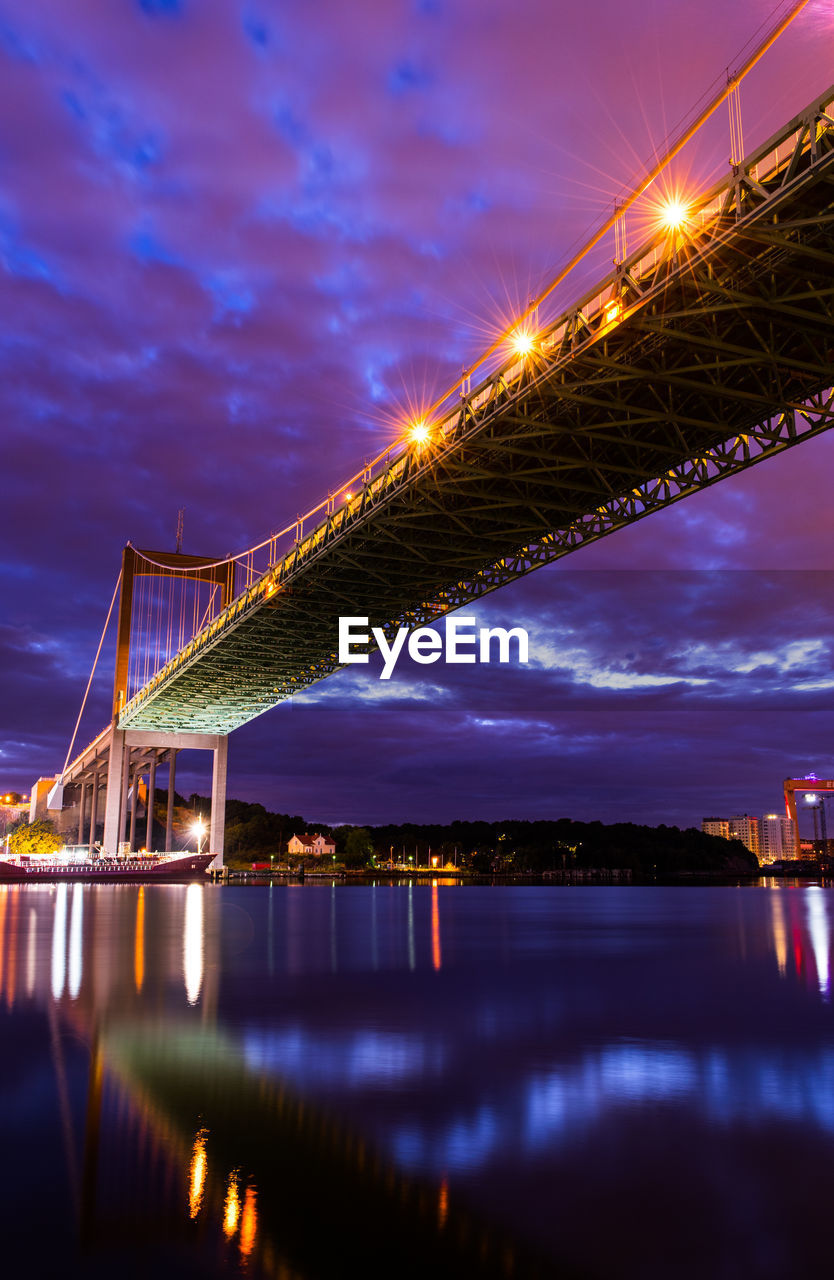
(77, 864)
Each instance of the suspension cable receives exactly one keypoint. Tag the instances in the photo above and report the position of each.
(92, 673)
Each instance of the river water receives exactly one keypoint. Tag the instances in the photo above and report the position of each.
(426, 1079)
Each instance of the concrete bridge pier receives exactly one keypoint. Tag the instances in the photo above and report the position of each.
(150, 803)
(131, 752)
(113, 799)
(169, 816)
(134, 777)
(93, 813)
(217, 829)
(81, 801)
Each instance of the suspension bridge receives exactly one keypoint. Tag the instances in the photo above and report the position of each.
(703, 352)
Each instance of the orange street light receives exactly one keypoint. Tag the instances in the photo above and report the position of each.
(674, 214)
(522, 342)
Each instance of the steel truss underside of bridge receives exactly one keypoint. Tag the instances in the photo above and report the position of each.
(721, 356)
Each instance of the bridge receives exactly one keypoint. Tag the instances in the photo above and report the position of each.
(703, 352)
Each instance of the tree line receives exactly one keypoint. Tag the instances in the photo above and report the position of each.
(254, 833)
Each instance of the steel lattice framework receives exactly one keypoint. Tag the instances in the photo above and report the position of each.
(704, 352)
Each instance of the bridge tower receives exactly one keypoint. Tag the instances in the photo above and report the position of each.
(133, 752)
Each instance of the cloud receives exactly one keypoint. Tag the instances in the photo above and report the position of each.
(235, 244)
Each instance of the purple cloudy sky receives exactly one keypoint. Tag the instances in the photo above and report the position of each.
(235, 237)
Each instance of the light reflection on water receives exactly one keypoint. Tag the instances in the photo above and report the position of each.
(364, 1058)
(193, 942)
(519, 1059)
(820, 939)
(559, 1108)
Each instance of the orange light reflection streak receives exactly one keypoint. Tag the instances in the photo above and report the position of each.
(443, 1205)
(248, 1222)
(231, 1212)
(199, 1166)
(139, 944)
(435, 927)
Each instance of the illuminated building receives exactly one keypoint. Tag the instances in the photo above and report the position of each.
(317, 845)
(777, 838)
(771, 838)
(745, 829)
(740, 827)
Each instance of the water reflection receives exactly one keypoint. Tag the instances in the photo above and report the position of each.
(801, 935)
(139, 942)
(353, 1059)
(780, 933)
(815, 899)
(225, 1062)
(197, 1182)
(76, 958)
(231, 1209)
(30, 952)
(3, 902)
(59, 942)
(558, 1108)
(248, 1222)
(435, 927)
(193, 942)
(412, 958)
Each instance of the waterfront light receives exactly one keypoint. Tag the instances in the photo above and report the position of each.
(199, 830)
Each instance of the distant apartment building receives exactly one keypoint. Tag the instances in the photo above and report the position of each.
(745, 829)
(777, 838)
(771, 838)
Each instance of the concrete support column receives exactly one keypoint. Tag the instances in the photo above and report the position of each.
(134, 808)
(169, 817)
(151, 794)
(113, 803)
(93, 813)
(81, 799)
(218, 800)
(123, 824)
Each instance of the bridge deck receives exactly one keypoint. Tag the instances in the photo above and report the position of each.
(704, 352)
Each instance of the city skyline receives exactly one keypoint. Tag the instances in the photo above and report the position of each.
(232, 245)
